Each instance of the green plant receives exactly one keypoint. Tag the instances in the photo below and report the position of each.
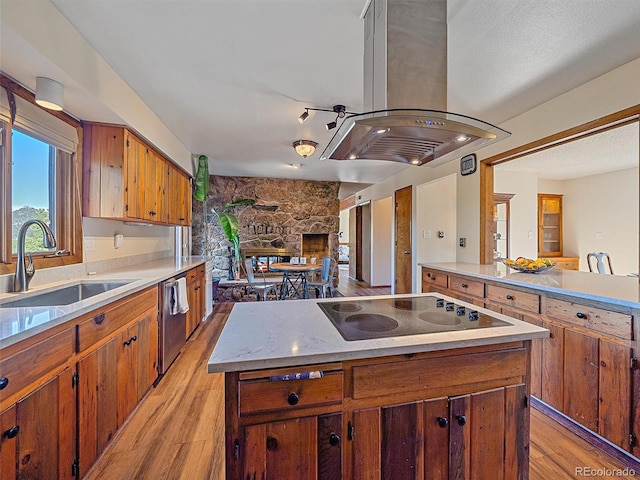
(229, 223)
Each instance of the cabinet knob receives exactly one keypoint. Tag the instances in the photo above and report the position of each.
(509, 297)
(293, 398)
(12, 432)
(98, 319)
(462, 420)
(272, 443)
(464, 285)
(581, 315)
(443, 422)
(334, 439)
(4, 381)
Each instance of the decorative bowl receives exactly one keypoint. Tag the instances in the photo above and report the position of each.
(526, 268)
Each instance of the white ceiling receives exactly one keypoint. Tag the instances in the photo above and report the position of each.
(230, 77)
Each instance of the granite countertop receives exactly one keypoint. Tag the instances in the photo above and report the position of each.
(17, 324)
(612, 289)
(276, 334)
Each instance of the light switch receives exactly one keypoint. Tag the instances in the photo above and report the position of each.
(598, 235)
(463, 242)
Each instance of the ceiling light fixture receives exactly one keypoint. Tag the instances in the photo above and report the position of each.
(295, 166)
(49, 93)
(304, 148)
(339, 110)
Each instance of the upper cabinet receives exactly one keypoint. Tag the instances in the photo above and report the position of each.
(549, 225)
(125, 178)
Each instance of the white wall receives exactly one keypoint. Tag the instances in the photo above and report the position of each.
(609, 93)
(523, 211)
(594, 222)
(381, 242)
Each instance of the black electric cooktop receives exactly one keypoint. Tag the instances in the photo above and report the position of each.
(395, 317)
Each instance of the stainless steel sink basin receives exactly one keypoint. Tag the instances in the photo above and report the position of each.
(65, 295)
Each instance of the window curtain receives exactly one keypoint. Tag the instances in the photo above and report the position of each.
(40, 124)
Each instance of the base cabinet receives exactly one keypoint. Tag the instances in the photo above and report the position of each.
(196, 299)
(363, 420)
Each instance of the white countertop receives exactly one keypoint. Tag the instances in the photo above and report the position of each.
(287, 333)
(16, 324)
(612, 289)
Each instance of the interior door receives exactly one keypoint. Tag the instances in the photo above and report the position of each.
(403, 255)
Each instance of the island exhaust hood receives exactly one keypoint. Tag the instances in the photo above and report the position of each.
(405, 91)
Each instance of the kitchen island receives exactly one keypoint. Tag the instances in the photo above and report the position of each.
(302, 401)
(587, 368)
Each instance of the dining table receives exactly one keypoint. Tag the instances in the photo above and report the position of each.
(294, 278)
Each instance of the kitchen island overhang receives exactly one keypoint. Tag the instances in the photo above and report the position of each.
(303, 402)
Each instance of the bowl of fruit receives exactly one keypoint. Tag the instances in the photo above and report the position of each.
(528, 265)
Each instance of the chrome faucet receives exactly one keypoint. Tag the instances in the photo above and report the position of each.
(24, 273)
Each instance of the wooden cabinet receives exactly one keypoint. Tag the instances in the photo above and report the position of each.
(549, 225)
(362, 419)
(38, 432)
(585, 368)
(115, 371)
(125, 178)
(196, 299)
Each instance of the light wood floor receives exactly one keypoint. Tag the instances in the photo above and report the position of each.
(177, 430)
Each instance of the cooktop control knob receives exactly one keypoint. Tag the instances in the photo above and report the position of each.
(474, 315)
(439, 302)
(460, 310)
(449, 307)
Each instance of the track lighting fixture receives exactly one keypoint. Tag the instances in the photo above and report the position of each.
(304, 148)
(339, 110)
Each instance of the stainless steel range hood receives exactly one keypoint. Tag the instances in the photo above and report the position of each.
(405, 92)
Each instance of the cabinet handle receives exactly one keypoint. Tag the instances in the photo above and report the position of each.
(293, 398)
(581, 315)
(152, 213)
(98, 319)
(12, 432)
(510, 297)
(464, 285)
(4, 381)
(127, 343)
(462, 420)
(334, 439)
(134, 338)
(272, 443)
(443, 422)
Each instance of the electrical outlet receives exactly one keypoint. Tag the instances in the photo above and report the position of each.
(89, 243)
(598, 235)
(530, 236)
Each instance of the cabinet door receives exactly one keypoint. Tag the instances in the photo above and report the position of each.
(536, 359)
(553, 366)
(615, 393)
(329, 447)
(9, 430)
(281, 450)
(549, 225)
(135, 172)
(191, 315)
(436, 439)
(97, 402)
(46, 440)
(581, 378)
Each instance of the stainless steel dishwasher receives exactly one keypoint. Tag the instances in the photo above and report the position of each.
(172, 326)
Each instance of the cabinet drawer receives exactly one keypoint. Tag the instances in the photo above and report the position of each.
(258, 396)
(27, 366)
(514, 298)
(195, 273)
(101, 323)
(597, 319)
(434, 277)
(466, 286)
(566, 263)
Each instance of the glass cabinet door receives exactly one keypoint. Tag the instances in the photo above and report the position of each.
(549, 225)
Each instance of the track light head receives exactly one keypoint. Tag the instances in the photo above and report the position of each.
(303, 117)
(332, 125)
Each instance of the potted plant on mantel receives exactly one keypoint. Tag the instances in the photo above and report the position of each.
(229, 224)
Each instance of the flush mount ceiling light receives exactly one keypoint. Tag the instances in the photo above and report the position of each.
(304, 148)
(49, 93)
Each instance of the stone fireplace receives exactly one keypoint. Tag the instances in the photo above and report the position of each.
(298, 217)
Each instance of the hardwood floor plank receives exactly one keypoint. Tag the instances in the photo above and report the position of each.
(177, 431)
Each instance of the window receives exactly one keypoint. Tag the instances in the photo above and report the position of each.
(40, 179)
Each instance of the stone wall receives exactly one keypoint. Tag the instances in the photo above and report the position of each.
(284, 210)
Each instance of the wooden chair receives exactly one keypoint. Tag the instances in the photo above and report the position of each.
(260, 289)
(325, 284)
(600, 257)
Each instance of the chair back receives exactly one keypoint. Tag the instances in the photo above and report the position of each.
(326, 268)
(248, 267)
(600, 259)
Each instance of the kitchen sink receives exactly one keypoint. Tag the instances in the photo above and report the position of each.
(65, 295)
